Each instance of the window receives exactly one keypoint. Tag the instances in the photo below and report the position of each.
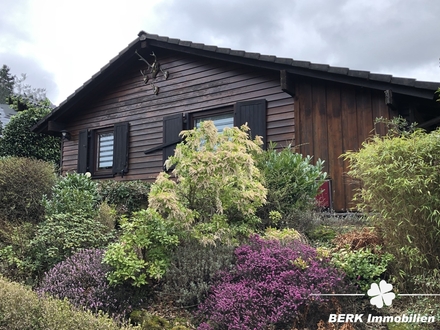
(251, 112)
(221, 121)
(104, 152)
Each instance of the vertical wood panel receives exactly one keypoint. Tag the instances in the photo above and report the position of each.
(305, 130)
(335, 146)
(320, 129)
(380, 109)
(350, 137)
(365, 114)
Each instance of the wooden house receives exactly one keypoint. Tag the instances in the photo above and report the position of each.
(124, 122)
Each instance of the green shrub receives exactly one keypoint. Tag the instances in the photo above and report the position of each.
(322, 233)
(23, 182)
(362, 266)
(20, 308)
(74, 194)
(142, 252)
(400, 175)
(188, 278)
(126, 196)
(19, 141)
(283, 235)
(14, 251)
(61, 235)
(292, 181)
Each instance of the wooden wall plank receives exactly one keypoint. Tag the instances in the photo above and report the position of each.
(320, 128)
(350, 138)
(335, 146)
(305, 129)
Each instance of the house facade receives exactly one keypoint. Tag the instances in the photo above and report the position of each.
(125, 121)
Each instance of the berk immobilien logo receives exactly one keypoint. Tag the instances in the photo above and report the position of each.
(380, 295)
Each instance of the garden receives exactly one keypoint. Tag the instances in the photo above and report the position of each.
(229, 238)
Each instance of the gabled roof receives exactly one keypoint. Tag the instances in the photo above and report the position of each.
(406, 86)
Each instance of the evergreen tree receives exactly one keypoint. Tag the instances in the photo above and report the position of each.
(6, 83)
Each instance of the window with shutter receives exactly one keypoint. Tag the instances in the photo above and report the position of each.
(251, 112)
(104, 152)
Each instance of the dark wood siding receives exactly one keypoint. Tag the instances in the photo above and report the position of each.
(194, 85)
(331, 119)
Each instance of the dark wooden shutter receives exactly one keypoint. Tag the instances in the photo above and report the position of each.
(172, 126)
(254, 114)
(120, 148)
(83, 143)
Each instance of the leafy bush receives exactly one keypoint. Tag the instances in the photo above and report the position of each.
(20, 308)
(81, 279)
(192, 267)
(428, 283)
(23, 182)
(400, 180)
(283, 235)
(19, 141)
(126, 196)
(271, 285)
(142, 251)
(291, 179)
(14, 250)
(363, 266)
(322, 233)
(61, 235)
(74, 194)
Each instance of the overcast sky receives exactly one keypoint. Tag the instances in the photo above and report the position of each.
(61, 44)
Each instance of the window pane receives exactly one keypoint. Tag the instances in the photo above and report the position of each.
(220, 121)
(105, 150)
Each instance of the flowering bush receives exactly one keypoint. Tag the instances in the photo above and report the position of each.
(271, 286)
(81, 279)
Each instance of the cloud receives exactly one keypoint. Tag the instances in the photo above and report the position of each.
(16, 47)
(67, 42)
(393, 36)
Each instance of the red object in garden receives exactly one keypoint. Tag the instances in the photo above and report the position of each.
(324, 199)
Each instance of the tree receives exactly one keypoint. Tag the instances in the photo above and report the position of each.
(24, 95)
(19, 141)
(6, 83)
